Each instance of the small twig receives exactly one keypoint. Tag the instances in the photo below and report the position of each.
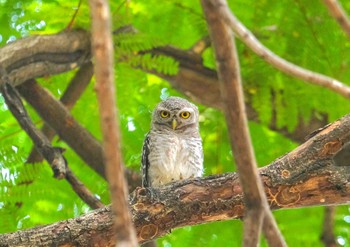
(71, 22)
(336, 10)
(257, 209)
(327, 236)
(72, 93)
(248, 38)
(51, 154)
(83, 192)
(102, 48)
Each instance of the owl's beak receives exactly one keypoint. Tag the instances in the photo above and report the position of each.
(174, 124)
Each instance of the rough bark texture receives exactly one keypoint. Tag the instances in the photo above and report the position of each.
(38, 56)
(304, 177)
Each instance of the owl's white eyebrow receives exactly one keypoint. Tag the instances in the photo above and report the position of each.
(187, 109)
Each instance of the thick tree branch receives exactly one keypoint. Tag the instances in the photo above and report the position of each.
(257, 210)
(44, 55)
(72, 93)
(289, 68)
(102, 48)
(336, 10)
(304, 177)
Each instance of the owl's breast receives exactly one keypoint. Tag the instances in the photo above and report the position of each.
(174, 158)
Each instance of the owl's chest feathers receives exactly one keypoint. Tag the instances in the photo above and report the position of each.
(177, 157)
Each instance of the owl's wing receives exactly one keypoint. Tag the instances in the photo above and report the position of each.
(145, 162)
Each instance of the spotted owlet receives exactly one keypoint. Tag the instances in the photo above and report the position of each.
(172, 149)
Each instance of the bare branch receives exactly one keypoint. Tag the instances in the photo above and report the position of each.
(336, 10)
(102, 48)
(72, 93)
(289, 68)
(236, 119)
(83, 192)
(69, 130)
(53, 155)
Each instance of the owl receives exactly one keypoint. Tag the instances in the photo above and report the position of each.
(172, 149)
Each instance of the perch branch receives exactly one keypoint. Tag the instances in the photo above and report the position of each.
(257, 210)
(304, 177)
(336, 10)
(248, 38)
(102, 48)
(72, 93)
(51, 154)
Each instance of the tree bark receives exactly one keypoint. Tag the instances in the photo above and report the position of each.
(304, 177)
(102, 48)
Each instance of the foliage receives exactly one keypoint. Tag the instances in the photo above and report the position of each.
(300, 31)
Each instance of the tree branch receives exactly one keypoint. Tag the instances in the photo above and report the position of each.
(289, 68)
(336, 10)
(102, 48)
(68, 129)
(53, 155)
(72, 93)
(38, 56)
(257, 210)
(83, 192)
(304, 177)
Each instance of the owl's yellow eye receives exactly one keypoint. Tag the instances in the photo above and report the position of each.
(164, 114)
(185, 114)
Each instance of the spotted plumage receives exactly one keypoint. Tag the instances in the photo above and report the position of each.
(172, 149)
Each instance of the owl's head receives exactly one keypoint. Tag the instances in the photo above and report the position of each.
(175, 114)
